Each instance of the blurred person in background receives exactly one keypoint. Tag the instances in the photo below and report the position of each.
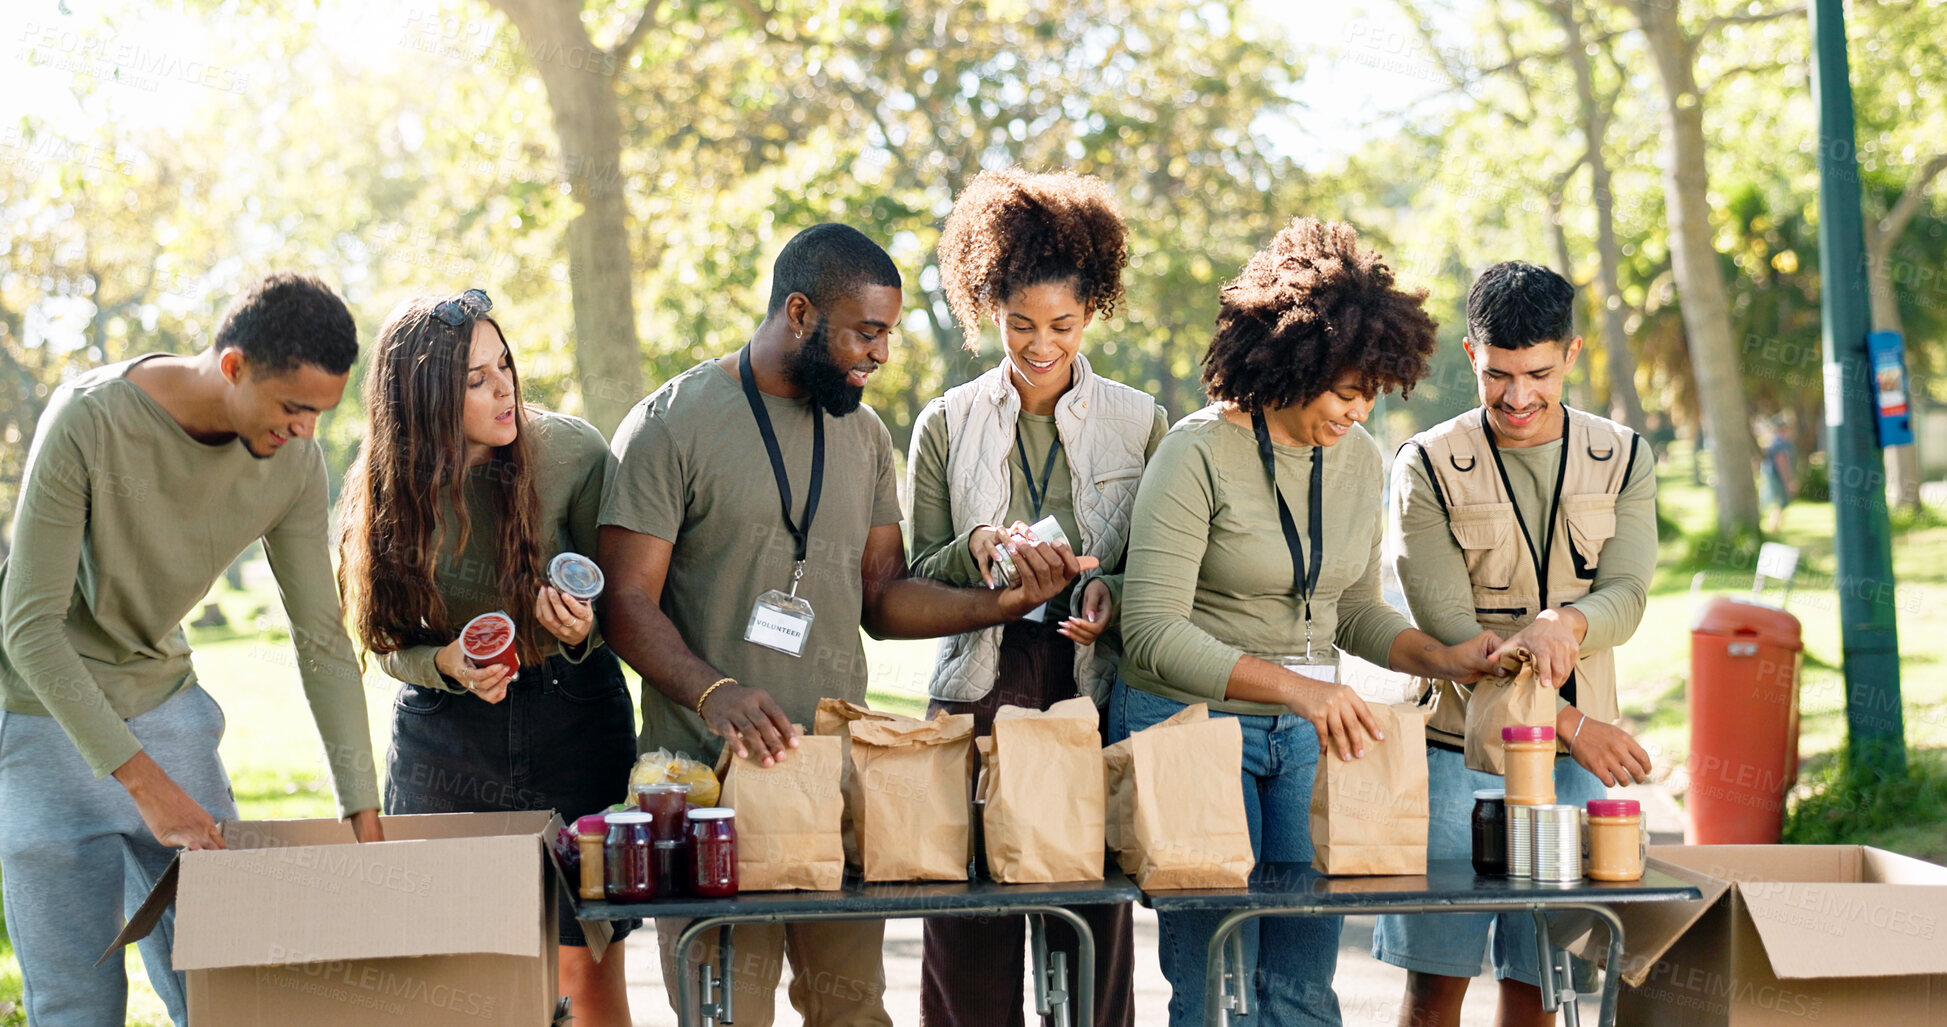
(1039, 435)
(459, 497)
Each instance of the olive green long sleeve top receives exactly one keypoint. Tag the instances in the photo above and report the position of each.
(1209, 578)
(570, 464)
(124, 523)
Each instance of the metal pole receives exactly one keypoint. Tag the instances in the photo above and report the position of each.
(1863, 546)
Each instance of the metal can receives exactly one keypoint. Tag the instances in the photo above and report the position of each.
(1490, 831)
(1047, 530)
(1558, 843)
(1521, 840)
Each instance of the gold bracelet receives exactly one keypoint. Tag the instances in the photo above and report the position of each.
(705, 697)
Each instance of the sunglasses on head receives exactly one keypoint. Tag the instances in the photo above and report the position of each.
(464, 307)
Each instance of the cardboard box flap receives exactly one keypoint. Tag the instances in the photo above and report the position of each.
(1802, 863)
(420, 826)
(1848, 930)
(304, 904)
(1651, 928)
(1884, 867)
(148, 915)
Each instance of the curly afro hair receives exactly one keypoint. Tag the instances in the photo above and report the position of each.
(1308, 308)
(1010, 230)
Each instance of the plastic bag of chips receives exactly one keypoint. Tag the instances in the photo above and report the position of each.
(661, 765)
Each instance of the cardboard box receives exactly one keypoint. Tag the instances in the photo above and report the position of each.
(451, 920)
(1789, 934)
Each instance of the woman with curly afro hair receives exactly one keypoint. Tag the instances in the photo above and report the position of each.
(1254, 558)
(1040, 436)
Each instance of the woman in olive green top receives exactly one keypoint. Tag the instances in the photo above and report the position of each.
(1038, 436)
(1238, 596)
(456, 503)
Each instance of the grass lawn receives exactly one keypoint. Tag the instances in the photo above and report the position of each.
(276, 766)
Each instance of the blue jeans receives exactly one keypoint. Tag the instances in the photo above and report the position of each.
(1451, 944)
(78, 858)
(1290, 959)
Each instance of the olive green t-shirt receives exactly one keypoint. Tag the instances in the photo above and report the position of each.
(124, 523)
(1209, 578)
(692, 469)
(570, 458)
(1432, 568)
(939, 553)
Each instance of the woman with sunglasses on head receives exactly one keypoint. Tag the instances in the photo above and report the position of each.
(1040, 435)
(1254, 558)
(458, 500)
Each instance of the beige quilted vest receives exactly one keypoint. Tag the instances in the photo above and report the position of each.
(1104, 428)
(1501, 564)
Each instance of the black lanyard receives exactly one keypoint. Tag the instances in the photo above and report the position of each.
(1546, 552)
(1037, 494)
(1304, 574)
(800, 534)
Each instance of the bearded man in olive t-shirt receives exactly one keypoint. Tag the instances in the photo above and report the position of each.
(750, 529)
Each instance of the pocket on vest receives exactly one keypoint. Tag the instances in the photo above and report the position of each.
(1485, 532)
(1591, 522)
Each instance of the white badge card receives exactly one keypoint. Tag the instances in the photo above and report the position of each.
(780, 621)
(1326, 672)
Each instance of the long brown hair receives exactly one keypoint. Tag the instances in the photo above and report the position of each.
(393, 524)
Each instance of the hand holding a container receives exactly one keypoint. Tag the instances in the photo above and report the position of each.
(1030, 563)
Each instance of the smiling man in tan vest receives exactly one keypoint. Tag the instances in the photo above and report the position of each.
(1537, 522)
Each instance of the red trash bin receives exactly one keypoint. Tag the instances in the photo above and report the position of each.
(1743, 722)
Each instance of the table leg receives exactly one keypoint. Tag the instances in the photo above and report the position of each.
(726, 983)
(1545, 954)
(1612, 969)
(713, 1008)
(1227, 990)
(1051, 991)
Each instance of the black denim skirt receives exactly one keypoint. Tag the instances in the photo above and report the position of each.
(563, 739)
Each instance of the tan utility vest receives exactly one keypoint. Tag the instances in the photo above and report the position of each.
(1503, 550)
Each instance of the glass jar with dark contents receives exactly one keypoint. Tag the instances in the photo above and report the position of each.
(1490, 829)
(713, 852)
(628, 858)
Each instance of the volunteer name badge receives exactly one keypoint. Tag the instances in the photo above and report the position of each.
(780, 621)
(1326, 672)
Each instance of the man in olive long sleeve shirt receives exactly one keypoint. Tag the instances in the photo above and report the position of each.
(1538, 522)
(145, 480)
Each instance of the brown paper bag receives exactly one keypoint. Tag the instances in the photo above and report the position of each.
(1501, 702)
(1045, 800)
(1176, 803)
(832, 718)
(1369, 814)
(912, 817)
(788, 818)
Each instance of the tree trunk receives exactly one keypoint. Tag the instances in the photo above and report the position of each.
(1624, 404)
(579, 78)
(1700, 283)
(1903, 463)
(1579, 389)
